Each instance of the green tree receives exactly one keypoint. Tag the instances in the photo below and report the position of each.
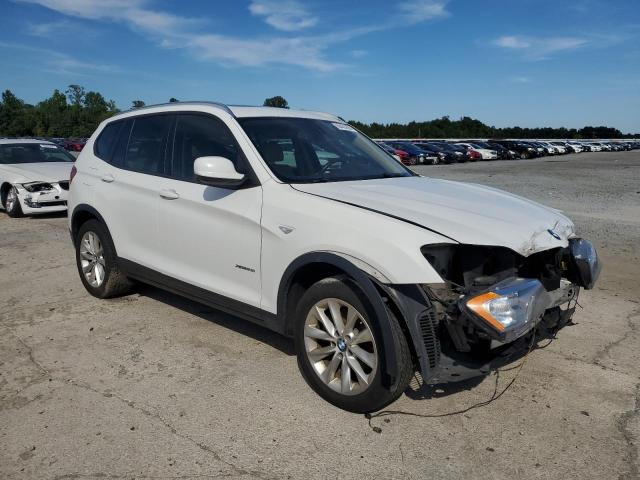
(137, 104)
(13, 116)
(173, 100)
(276, 101)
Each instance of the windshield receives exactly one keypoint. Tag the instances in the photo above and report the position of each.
(304, 150)
(16, 153)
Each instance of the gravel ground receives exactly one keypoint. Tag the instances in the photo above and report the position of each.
(155, 386)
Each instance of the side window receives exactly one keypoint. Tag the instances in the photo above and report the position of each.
(105, 143)
(120, 147)
(147, 143)
(201, 135)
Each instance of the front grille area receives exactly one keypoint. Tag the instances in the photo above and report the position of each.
(427, 322)
(64, 184)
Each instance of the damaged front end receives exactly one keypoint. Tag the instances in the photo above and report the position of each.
(491, 303)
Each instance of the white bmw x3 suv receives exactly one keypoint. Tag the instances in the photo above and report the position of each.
(34, 177)
(297, 222)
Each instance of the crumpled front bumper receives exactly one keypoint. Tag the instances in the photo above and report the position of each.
(46, 201)
(438, 328)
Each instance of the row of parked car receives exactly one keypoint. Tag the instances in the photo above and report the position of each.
(433, 152)
(69, 144)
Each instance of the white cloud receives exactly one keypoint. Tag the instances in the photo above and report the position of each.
(416, 11)
(179, 32)
(285, 15)
(520, 79)
(61, 63)
(539, 48)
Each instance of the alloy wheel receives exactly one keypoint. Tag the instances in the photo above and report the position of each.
(340, 346)
(92, 259)
(12, 198)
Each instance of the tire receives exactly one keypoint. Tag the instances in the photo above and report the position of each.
(413, 161)
(101, 259)
(435, 161)
(353, 395)
(12, 204)
(524, 156)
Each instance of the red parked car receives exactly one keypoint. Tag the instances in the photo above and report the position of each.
(74, 145)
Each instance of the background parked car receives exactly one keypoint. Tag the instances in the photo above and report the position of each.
(73, 145)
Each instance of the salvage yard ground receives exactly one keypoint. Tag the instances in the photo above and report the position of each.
(155, 386)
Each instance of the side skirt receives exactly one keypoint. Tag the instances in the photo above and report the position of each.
(200, 295)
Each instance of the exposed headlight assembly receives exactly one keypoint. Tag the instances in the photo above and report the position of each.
(37, 186)
(510, 308)
(586, 262)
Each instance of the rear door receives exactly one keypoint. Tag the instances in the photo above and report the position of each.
(210, 236)
(128, 188)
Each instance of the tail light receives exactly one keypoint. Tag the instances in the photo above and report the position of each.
(74, 170)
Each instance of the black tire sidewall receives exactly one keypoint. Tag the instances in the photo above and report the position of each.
(108, 254)
(377, 395)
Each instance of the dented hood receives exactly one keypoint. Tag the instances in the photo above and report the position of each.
(36, 172)
(467, 213)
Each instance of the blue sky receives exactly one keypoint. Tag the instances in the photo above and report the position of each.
(506, 62)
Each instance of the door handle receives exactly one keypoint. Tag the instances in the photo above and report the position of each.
(108, 178)
(169, 194)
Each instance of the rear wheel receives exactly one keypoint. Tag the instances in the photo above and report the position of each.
(524, 156)
(12, 204)
(97, 262)
(340, 349)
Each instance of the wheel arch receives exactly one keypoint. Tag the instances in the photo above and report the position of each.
(82, 213)
(312, 267)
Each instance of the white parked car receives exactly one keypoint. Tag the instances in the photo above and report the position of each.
(487, 154)
(34, 176)
(297, 222)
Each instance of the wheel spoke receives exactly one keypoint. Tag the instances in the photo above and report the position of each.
(318, 334)
(321, 352)
(362, 337)
(345, 374)
(336, 316)
(85, 255)
(99, 273)
(355, 365)
(326, 322)
(86, 267)
(352, 317)
(330, 372)
(366, 357)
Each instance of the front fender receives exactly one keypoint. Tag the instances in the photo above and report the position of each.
(367, 287)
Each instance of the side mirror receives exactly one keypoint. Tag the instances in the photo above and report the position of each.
(217, 172)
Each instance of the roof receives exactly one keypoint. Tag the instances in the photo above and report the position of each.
(9, 141)
(239, 111)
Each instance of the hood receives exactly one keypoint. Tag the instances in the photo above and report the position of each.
(467, 213)
(34, 172)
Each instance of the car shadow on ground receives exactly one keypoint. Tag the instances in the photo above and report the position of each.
(228, 321)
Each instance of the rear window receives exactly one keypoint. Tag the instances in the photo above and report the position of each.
(17, 153)
(147, 142)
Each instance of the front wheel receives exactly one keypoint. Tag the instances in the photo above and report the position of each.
(12, 204)
(340, 349)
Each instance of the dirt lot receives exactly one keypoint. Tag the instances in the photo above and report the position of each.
(154, 386)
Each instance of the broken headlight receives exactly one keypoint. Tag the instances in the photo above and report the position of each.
(510, 307)
(586, 262)
(37, 186)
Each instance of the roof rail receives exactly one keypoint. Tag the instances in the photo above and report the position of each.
(220, 105)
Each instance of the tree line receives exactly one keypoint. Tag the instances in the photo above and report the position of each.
(77, 112)
(467, 127)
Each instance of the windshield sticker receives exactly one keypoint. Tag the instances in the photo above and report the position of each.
(343, 126)
(44, 145)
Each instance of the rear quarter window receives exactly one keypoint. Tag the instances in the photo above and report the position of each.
(106, 142)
